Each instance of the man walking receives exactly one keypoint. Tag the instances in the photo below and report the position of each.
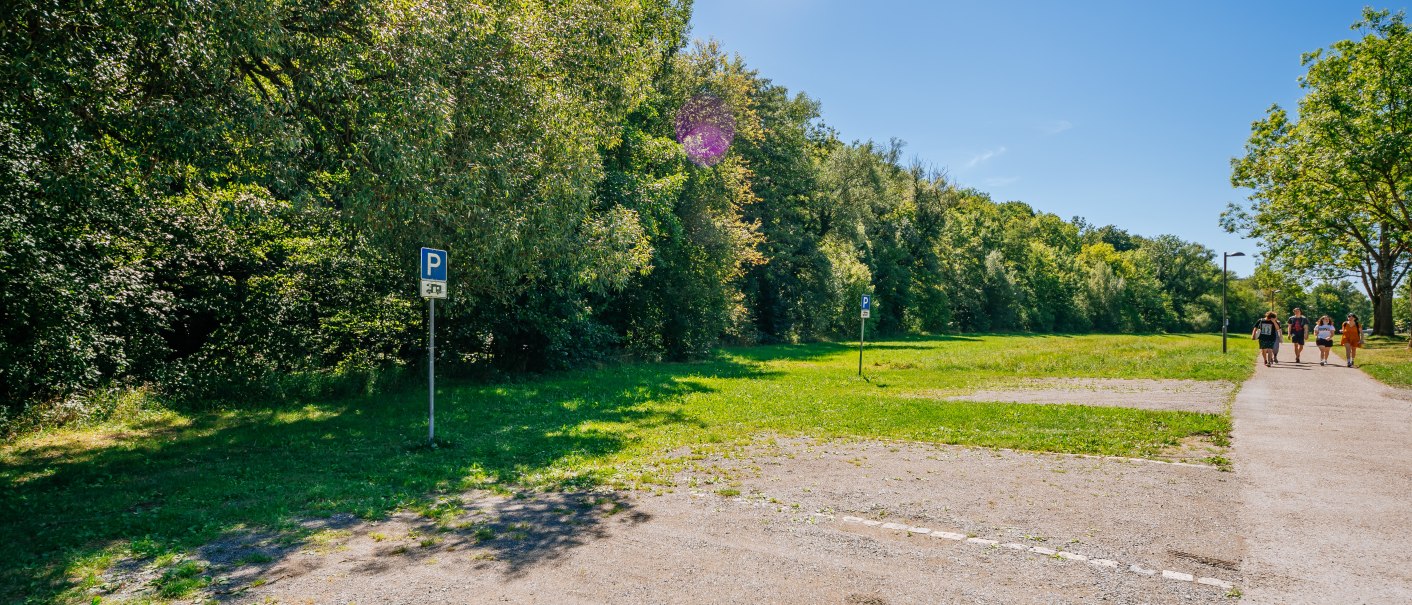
(1298, 327)
(1266, 330)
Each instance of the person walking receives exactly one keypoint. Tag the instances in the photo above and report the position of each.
(1324, 338)
(1279, 339)
(1266, 331)
(1352, 338)
(1298, 327)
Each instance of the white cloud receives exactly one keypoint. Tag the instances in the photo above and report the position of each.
(976, 160)
(1054, 127)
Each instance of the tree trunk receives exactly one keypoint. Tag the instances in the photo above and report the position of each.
(1382, 317)
(1382, 301)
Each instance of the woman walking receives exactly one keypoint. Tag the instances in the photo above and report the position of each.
(1266, 331)
(1279, 339)
(1324, 338)
(1352, 338)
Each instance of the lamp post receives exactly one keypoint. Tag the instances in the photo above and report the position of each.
(1273, 292)
(1225, 321)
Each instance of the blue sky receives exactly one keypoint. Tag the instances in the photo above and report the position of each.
(1124, 113)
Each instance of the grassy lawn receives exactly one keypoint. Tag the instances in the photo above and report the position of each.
(1386, 359)
(157, 485)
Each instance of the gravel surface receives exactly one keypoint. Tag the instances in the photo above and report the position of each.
(1316, 512)
(1210, 397)
(791, 521)
(1324, 458)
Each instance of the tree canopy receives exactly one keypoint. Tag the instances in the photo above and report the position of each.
(1329, 189)
(222, 200)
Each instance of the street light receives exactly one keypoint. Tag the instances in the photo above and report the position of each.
(1225, 321)
(1273, 292)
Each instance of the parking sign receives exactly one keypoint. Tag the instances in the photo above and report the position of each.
(433, 264)
(433, 273)
(433, 278)
(863, 328)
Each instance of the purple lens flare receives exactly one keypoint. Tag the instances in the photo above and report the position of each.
(705, 128)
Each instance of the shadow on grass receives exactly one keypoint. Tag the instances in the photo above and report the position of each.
(171, 489)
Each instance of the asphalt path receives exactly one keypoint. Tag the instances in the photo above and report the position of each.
(1324, 459)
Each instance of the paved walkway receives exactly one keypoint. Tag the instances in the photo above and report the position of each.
(1324, 458)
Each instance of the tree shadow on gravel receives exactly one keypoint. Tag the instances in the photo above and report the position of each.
(480, 531)
(163, 489)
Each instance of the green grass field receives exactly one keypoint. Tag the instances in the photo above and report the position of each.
(161, 483)
(1386, 359)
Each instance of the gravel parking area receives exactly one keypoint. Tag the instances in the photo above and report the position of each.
(791, 521)
(1210, 397)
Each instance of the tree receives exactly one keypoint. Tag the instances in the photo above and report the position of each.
(171, 174)
(1329, 189)
(221, 200)
(1280, 291)
(702, 246)
(1187, 272)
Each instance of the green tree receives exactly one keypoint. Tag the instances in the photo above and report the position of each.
(1189, 275)
(702, 245)
(137, 138)
(791, 295)
(1329, 189)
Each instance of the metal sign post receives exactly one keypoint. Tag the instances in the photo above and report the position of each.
(431, 371)
(433, 275)
(863, 329)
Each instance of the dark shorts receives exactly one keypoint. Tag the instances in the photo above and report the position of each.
(1324, 342)
(1296, 337)
(1267, 344)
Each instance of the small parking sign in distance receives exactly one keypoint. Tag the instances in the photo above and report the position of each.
(863, 328)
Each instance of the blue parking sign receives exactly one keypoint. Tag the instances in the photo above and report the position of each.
(433, 274)
(867, 302)
(433, 264)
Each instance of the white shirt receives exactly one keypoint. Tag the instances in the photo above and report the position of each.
(1325, 331)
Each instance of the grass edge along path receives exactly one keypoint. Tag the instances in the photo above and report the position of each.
(74, 502)
(1388, 360)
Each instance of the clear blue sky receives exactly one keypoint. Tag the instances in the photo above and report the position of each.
(1124, 113)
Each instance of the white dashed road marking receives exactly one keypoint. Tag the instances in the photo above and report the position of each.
(1217, 583)
(1040, 550)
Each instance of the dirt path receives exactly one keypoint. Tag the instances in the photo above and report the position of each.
(1324, 457)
